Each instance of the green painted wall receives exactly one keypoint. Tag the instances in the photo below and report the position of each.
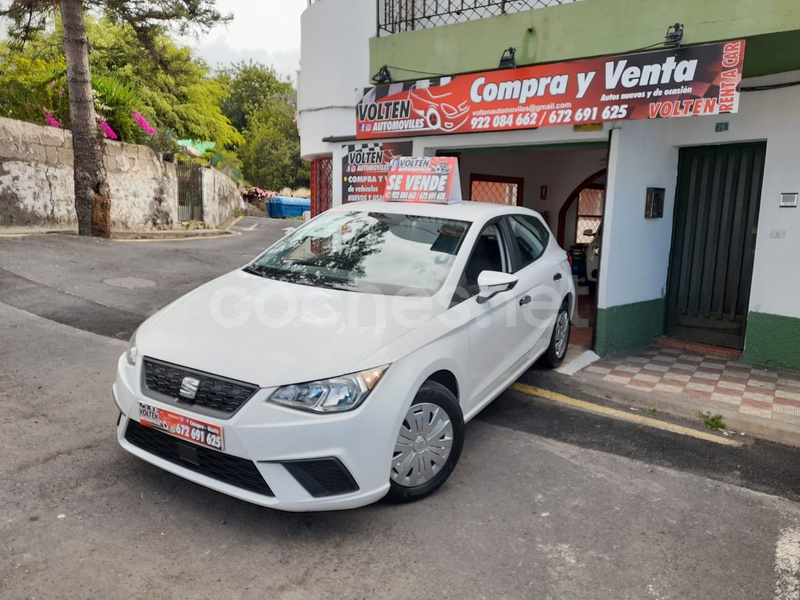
(630, 326)
(595, 28)
(773, 340)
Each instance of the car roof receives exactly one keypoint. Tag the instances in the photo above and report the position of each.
(464, 211)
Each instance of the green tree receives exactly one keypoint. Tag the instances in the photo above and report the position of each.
(147, 18)
(271, 152)
(263, 106)
(250, 86)
(30, 84)
(176, 90)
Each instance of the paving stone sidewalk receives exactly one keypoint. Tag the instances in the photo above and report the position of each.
(752, 390)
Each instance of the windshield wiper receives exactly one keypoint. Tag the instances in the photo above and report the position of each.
(296, 277)
(254, 270)
(303, 263)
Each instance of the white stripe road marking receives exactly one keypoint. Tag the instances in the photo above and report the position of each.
(787, 565)
(253, 227)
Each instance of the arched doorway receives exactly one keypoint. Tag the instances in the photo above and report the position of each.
(587, 183)
(588, 199)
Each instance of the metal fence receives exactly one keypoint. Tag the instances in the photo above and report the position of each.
(396, 16)
(190, 191)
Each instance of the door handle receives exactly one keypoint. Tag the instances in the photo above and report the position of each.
(524, 300)
(557, 276)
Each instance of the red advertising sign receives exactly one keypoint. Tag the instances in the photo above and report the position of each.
(679, 82)
(364, 168)
(423, 179)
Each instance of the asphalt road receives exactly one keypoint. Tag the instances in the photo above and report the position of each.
(546, 503)
(69, 279)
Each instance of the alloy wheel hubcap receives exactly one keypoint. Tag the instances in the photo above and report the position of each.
(423, 445)
(562, 332)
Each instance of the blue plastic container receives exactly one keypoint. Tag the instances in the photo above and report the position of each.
(281, 207)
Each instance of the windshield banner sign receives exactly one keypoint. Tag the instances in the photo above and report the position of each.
(679, 82)
(364, 168)
(432, 180)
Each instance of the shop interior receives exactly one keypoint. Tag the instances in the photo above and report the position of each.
(566, 185)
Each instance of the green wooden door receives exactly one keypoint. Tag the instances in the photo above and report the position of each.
(713, 242)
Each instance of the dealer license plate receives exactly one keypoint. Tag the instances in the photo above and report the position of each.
(186, 428)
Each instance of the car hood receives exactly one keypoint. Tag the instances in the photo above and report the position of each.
(272, 333)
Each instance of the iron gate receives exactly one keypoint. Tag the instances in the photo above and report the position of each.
(714, 241)
(190, 191)
(321, 185)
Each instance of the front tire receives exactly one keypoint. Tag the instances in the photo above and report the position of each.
(559, 341)
(428, 444)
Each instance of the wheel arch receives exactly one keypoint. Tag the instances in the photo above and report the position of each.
(571, 301)
(448, 379)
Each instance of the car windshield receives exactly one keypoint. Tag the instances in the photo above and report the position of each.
(374, 252)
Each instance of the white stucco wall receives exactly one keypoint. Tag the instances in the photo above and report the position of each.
(636, 250)
(635, 253)
(428, 145)
(334, 51)
(560, 169)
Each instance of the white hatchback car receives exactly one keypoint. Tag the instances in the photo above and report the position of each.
(340, 366)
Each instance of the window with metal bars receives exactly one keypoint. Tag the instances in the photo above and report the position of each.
(321, 185)
(496, 189)
(590, 213)
(396, 16)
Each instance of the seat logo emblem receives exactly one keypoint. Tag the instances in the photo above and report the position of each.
(189, 387)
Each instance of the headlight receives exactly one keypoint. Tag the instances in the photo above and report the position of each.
(337, 394)
(132, 353)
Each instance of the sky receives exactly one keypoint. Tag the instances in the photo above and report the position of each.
(266, 31)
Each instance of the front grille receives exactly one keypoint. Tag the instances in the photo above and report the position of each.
(233, 470)
(215, 393)
(322, 477)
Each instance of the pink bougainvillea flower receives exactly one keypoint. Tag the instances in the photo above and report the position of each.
(51, 120)
(106, 129)
(142, 122)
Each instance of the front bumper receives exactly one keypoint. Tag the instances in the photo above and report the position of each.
(276, 440)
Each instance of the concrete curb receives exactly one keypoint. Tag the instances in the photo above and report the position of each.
(172, 236)
(691, 410)
(37, 231)
(141, 236)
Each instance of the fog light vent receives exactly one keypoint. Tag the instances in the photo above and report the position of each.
(322, 477)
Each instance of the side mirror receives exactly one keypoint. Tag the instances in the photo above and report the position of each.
(588, 232)
(491, 283)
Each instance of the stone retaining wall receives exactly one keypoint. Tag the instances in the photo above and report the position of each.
(36, 186)
(221, 198)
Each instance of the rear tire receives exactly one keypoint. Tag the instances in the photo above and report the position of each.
(559, 341)
(428, 444)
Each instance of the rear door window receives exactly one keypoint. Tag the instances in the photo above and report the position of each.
(531, 238)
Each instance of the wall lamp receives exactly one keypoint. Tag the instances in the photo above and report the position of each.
(507, 61)
(382, 76)
(674, 35)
